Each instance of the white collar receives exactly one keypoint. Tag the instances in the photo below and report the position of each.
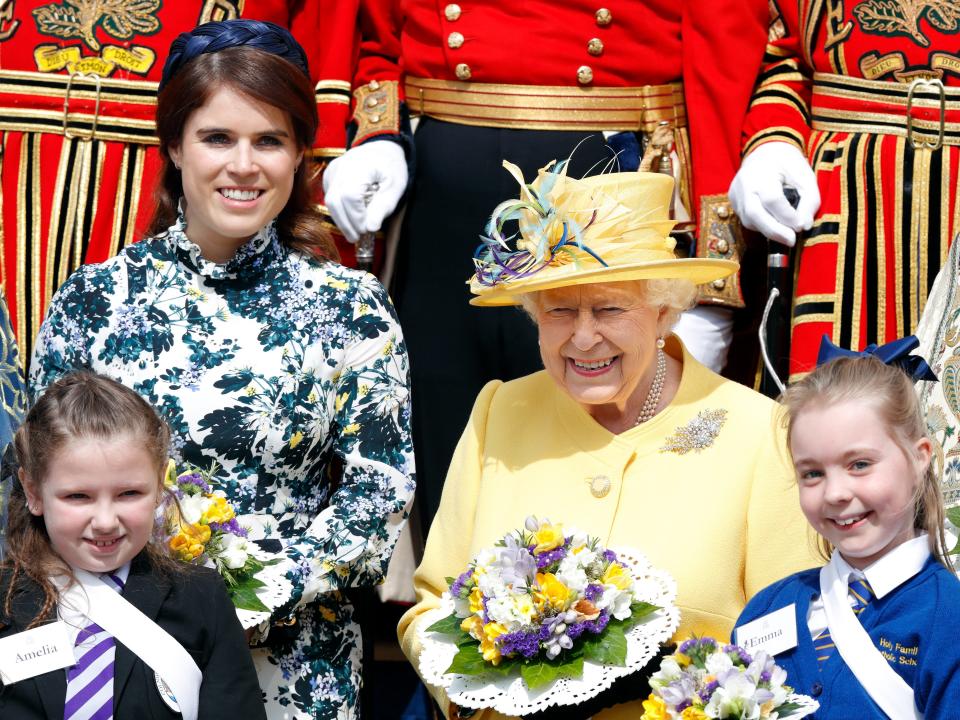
(890, 571)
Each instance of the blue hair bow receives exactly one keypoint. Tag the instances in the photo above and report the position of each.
(896, 353)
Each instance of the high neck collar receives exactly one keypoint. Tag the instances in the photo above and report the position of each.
(249, 257)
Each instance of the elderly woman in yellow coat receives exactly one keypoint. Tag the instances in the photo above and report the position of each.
(623, 434)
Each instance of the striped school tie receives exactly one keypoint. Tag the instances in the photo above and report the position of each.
(90, 681)
(861, 593)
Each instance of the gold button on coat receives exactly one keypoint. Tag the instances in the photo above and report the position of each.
(599, 486)
(452, 12)
(463, 71)
(723, 246)
(584, 75)
(723, 212)
(719, 284)
(454, 40)
(604, 17)
(595, 46)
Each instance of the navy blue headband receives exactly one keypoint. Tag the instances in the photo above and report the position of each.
(896, 353)
(215, 36)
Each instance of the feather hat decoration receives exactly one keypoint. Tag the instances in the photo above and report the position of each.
(604, 228)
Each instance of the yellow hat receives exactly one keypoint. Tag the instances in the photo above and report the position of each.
(605, 228)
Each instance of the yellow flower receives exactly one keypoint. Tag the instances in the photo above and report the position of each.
(692, 713)
(170, 479)
(312, 397)
(388, 348)
(488, 648)
(654, 709)
(338, 284)
(476, 600)
(682, 660)
(364, 309)
(341, 399)
(250, 391)
(351, 429)
(295, 439)
(766, 709)
(189, 543)
(617, 576)
(548, 537)
(327, 614)
(219, 511)
(473, 625)
(552, 592)
(363, 390)
(196, 294)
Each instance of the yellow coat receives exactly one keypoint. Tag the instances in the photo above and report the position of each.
(724, 521)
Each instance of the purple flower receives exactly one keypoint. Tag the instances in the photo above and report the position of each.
(709, 689)
(598, 625)
(516, 564)
(520, 642)
(457, 588)
(549, 558)
(230, 526)
(193, 479)
(683, 705)
(609, 556)
(576, 630)
(765, 676)
(593, 591)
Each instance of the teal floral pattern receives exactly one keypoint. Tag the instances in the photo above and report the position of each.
(291, 374)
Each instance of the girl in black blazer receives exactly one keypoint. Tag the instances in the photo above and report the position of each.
(92, 455)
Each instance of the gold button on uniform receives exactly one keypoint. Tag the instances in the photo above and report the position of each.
(452, 12)
(723, 246)
(604, 17)
(595, 46)
(584, 75)
(374, 118)
(454, 40)
(723, 212)
(463, 71)
(599, 486)
(719, 284)
(372, 102)
(373, 85)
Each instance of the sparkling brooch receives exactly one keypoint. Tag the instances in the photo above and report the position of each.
(697, 434)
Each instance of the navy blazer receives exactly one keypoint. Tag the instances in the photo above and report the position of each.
(193, 606)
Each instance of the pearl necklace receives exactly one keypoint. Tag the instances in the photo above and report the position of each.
(649, 408)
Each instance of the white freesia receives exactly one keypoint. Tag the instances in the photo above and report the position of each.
(572, 574)
(235, 551)
(668, 672)
(718, 663)
(616, 600)
(734, 697)
(192, 508)
(513, 611)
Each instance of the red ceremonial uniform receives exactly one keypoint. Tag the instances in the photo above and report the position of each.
(858, 86)
(79, 162)
(529, 82)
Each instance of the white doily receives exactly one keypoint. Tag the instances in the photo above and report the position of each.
(511, 696)
(808, 706)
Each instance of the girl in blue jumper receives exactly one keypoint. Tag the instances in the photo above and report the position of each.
(876, 627)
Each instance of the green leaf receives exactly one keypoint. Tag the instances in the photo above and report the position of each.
(450, 625)
(544, 672)
(468, 661)
(640, 610)
(608, 648)
(787, 709)
(953, 515)
(245, 597)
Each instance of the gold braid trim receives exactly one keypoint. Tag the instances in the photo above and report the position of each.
(720, 237)
(377, 110)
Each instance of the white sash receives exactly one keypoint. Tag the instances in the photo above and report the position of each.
(882, 683)
(155, 646)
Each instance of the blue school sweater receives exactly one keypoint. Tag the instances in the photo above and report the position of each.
(915, 626)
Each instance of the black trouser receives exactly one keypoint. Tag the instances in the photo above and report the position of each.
(455, 348)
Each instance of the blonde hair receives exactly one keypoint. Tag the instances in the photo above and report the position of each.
(889, 390)
(79, 405)
(671, 295)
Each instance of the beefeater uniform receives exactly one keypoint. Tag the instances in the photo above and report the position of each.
(527, 82)
(78, 95)
(858, 87)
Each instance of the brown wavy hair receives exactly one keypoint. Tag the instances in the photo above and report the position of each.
(264, 78)
(890, 392)
(81, 405)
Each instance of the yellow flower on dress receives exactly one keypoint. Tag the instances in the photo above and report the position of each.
(190, 542)
(617, 576)
(548, 537)
(476, 600)
(218, 511)
(692, 713)
(488, 648)
(327, 614)
(295, 439)
(351, 429)
(552, 592)
(338, 284)
(654, 709)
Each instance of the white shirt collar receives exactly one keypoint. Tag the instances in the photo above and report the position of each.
(893, 569)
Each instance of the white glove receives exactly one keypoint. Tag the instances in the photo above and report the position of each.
(756, 192)
(364, 185)
(706, 332)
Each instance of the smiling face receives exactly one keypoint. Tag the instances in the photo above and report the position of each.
(597, 341)
(237, 159)
(857, 486)
(97, 500)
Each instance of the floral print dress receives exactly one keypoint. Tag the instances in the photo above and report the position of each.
(291, 374)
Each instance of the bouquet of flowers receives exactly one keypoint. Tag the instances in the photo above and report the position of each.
(704, 679)
(545, 611)
(201, 528)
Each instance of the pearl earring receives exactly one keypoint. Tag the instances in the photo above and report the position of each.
(660, 343)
